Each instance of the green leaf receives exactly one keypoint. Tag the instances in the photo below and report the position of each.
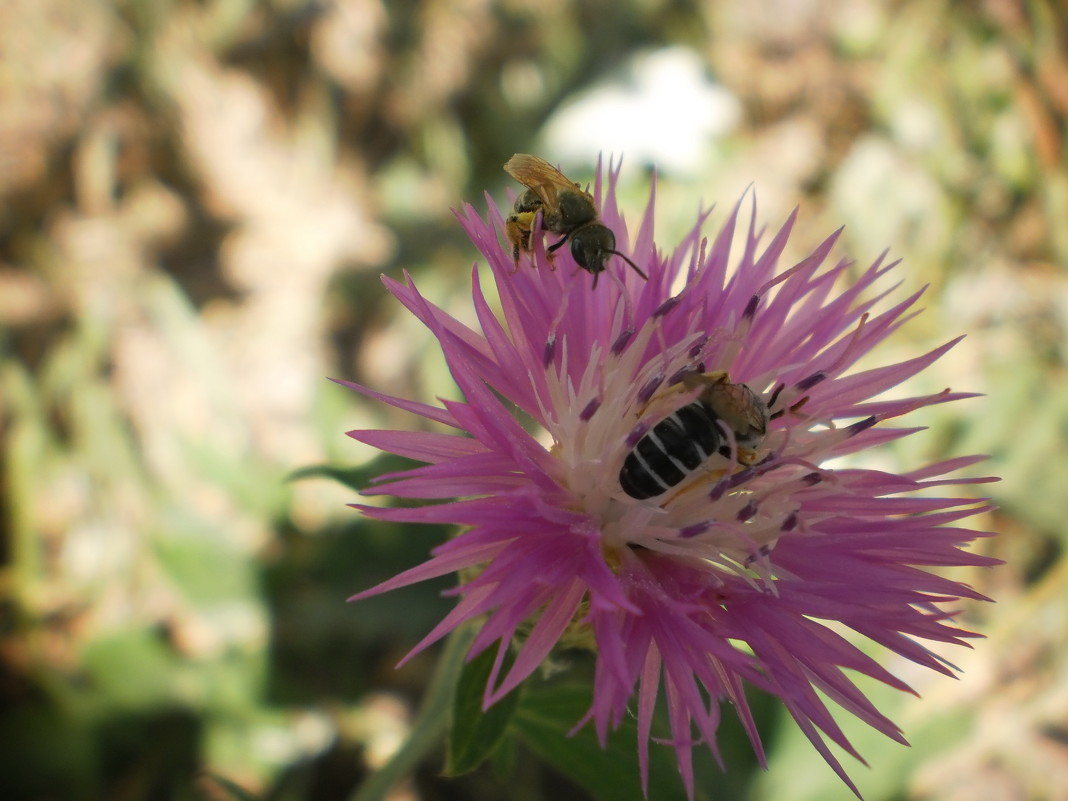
(133, 669)
(543, 720)
(476, 734)
(355, 478)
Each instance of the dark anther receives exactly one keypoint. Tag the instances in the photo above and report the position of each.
(549, 353)
(863, 425)
(621, 342)
(665, 307)
(635, 435)
(808, 383)
(717, 491)
(692, 531)
(677, 376)
(751, 306)
(775, 394)
(650, 387)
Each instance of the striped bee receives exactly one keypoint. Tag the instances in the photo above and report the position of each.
(691, 435)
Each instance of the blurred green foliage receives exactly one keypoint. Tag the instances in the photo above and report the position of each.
(196, 199)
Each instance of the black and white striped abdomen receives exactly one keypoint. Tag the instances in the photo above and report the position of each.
(672, 450)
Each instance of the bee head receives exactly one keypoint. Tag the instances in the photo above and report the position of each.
(591, 245)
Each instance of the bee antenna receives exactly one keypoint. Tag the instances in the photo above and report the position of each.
(634, 266)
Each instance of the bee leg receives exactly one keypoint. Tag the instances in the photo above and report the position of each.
(708, 477)
(696, 380)
(555, 246)
(661, 394)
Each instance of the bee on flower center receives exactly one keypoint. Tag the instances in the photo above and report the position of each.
(565, 209)
(681, 443)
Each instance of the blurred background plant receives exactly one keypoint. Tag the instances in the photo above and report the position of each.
(196, 200)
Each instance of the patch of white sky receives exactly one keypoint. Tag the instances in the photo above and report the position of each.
(662, 108)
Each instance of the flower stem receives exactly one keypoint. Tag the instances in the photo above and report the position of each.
(430, 725)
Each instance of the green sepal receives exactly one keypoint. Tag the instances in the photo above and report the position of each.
(475, 734)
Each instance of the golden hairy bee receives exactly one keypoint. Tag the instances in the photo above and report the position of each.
(681, 443)
(565, 209)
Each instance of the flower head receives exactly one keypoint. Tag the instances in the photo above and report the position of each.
(729, 573)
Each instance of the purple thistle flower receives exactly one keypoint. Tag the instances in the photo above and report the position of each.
(729, 577)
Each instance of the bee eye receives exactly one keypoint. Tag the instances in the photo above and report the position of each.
(578, 252)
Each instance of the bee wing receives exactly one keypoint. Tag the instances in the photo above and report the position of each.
(744, 406)
(540, 176)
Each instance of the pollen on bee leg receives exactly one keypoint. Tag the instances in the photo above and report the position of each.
(697, 380)
(678, 376)
(747, 456)
(701, 482)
